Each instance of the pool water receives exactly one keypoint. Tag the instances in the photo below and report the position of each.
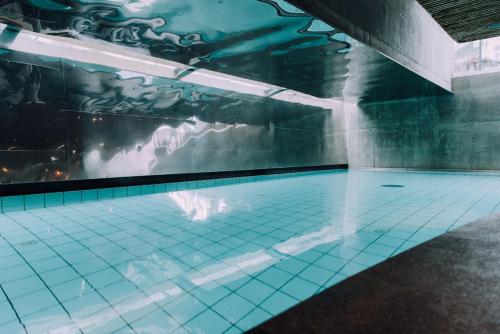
(221, 259)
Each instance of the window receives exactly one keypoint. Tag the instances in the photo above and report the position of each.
(478, 56)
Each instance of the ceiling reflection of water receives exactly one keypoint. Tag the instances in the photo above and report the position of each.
(211, 34)
(198, 207)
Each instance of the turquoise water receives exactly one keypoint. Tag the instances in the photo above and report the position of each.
(221, 259)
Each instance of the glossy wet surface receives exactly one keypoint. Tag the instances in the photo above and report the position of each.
(448, 285)
(220, 259)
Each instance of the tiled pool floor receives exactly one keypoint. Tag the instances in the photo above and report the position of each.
(220, 259)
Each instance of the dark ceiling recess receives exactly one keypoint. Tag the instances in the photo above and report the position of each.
(466, 20)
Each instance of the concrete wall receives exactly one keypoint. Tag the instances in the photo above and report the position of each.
(400, 29)
(461, 131)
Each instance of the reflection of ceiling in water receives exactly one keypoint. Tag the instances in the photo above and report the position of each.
(197, 207)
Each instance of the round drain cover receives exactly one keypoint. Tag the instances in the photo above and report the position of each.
(392, 186)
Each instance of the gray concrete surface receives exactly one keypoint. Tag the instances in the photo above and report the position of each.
(460, 131)
(446, 285)
(400, 29)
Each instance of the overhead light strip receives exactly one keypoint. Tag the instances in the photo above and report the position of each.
(105, 54)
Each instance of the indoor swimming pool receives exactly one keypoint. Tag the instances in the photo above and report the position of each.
(219, 259)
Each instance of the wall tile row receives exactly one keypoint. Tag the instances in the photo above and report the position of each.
(46, 200)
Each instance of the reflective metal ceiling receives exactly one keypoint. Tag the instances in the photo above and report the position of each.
(264, 40)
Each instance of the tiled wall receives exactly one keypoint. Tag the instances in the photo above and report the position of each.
(36, 201)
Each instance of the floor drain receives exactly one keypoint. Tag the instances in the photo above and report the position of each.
(392, 186)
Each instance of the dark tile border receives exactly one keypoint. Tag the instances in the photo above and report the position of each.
(60, 186)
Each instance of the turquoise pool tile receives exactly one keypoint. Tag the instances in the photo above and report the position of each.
(23, 286)
(54, 199)
(233, 330)
(112, 323)
(407, 245)
(233, 307)
(420, 237)
(154, 243)
(36, 252)
(12, 260)
(71, 289)
(330, 263)
(119, 291)
(355, 243)
(105, 193)
(195, 258)
(352, 269)
(255, 291)
(13, 327)
(214, 250)
(334, 280)
(344, 253)
(278, 302)
(309, 256)
(12, 203)
(36, 201)
(316, 275)
(181, 186)
(169, 187)
(368, 259)
(207, 322)
(390, 241)
(184, 308)
(120, 192)
(103, 278)
(72, 197)
(254, 318)
(159, 188)
(211, 296)
(274, 277)
(85, 305)
(6, 251)
(34, 302)
(155, 322)
(36, 322)
(15, 273)
(89, 195)
(380, 250)
(192, 185)
(147, 189)
(6, 313)
(79, 256)
(143, 308)
(133, 190)
(235, 284)
(300, 288)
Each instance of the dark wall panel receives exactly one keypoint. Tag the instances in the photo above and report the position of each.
(69, 121)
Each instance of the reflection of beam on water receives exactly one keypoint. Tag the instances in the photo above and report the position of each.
(233, 268)
(102, 318)
(297, 245)
(197, 207)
